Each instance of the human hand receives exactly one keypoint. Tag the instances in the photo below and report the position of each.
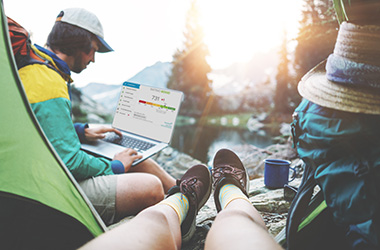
(93, 134)
(127, 157)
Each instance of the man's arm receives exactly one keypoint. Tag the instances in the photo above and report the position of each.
(85, 133)
(54, 118)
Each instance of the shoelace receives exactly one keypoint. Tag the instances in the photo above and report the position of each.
(223, 170)
(187, 188)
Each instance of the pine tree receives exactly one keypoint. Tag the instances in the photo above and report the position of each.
(190, 68)
(283, 80)
(317, 35)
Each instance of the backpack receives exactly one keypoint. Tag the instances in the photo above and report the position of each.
(310, 222)
(22, 46)
(25, 53)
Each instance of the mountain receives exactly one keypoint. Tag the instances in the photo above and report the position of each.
(249, 76)
(104, 94)
(107, 95)
(156, 75)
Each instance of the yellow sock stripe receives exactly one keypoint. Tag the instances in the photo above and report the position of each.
(179, 203)
(228, 193)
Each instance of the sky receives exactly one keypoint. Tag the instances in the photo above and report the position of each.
(142, 32)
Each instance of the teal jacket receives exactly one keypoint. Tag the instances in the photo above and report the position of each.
(46, 86)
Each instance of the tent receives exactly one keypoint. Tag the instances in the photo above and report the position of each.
(41, 205)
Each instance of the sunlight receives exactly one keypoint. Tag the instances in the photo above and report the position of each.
(236, 30)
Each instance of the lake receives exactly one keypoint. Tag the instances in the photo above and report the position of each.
(203, 142)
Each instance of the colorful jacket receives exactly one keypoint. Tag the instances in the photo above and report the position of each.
(47, 88)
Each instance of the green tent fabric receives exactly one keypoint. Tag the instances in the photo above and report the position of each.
(35, 186)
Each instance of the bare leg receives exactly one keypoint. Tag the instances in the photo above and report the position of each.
(239, 226)
(156, 227)
(150, 166)
(135, 192)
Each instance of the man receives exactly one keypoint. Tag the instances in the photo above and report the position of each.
(71, 46)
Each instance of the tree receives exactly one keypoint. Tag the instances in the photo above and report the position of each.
(190, 68)
(317, 35)
(283, 80)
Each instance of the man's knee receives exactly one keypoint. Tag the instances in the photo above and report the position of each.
(155, 189)
(136, 192)
(145, 188)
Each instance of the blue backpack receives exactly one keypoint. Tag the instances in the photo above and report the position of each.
(310, 223)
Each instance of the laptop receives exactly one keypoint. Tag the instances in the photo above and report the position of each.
(146, 117)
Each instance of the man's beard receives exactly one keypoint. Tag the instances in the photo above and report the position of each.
(78, 65)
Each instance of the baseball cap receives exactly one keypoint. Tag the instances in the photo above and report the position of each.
(85, 20)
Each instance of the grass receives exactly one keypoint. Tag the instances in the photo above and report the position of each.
(229, 121)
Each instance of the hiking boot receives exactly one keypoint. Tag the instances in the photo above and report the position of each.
(195, 184)
(228, 169)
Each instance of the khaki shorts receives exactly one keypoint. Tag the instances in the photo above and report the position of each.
(101, 191)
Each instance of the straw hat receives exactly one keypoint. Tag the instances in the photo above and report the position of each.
(354, 86)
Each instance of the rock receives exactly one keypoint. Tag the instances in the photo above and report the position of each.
(254, 125)
(275, 227)
(253, 157)
(285, 129)
(270, 203)
(174, 162)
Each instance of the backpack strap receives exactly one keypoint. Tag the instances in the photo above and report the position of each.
(310, 223)
(299, 205)
(315, 208)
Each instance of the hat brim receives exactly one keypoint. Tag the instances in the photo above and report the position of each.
(104, 46)
(315, 87)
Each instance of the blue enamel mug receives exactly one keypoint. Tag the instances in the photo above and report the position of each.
(276, 173)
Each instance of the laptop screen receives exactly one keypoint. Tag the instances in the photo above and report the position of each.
(147, 111)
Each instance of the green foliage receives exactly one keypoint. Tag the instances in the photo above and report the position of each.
(340, 11)
(316, 40)
(76, 93)
(190, 68)
(217, 121)
(79, 114)
(358, 11)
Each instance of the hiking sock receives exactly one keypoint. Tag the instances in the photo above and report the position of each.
(228, 193)
(179, 203)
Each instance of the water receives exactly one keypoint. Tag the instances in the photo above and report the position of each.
(203, 142)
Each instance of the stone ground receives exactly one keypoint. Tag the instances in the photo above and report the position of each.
(270, 203)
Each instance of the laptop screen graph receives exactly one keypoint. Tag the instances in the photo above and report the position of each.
(147, 111)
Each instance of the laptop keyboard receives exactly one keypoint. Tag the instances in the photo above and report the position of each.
(128, 142)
